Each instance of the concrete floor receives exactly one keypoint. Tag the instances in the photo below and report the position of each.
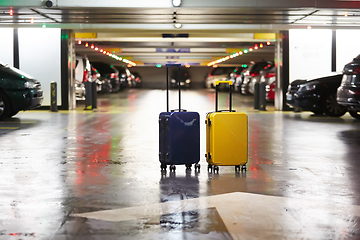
(96, 175)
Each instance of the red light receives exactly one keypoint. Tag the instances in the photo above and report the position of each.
(79, 42)
(11, 11)
(85, 76)
(32, 20)
(92, 46)
(270, 75)
(268, 43)
(101, 50)
(254, 74)
(250, 49)
(256, 47)
(104, 52)
(112, 75)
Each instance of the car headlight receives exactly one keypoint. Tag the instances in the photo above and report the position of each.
(29, 84)
(308, 87)
(187, 81)
(173, 81)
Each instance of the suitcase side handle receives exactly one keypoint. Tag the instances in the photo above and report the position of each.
(217, 93)
(167, 84)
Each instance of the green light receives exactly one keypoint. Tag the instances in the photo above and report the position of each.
(246, 51)
(44, 25)
(235, 70)
(112, 66)
(158, 65)
(22, 76)
(244, 65)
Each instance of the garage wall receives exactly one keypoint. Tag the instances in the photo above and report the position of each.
(154, 77)
(309, 53)
(7, 46)
(39, 54)
(346, 47)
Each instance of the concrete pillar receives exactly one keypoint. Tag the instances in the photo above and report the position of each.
(68, 62)
(282, 70)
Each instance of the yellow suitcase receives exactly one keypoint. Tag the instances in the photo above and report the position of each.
(226, 137)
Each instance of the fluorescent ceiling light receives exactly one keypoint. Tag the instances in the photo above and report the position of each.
(177, 25)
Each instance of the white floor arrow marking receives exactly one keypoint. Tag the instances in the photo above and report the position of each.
(252, 216)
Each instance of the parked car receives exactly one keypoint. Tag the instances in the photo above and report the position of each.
(252, 71)
(348, 94)
(96, 78)
(137, 80)
(317, 95)
(185, 78)
(236, 74)
(109, 74)
(18, 91)
(82, 75)
(268, 76)
(218, 74)
(256, 77)
(239, 80)
(80, 91)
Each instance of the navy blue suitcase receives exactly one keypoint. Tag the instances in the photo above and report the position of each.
(179, 134)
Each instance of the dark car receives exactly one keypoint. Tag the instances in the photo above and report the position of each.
(18, 92)
(317, 95)
(108, 74)
(252, 71)
(348, 94)
(185, 79)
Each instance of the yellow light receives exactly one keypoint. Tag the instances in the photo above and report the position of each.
(346, 14)
(96, 48)
(79, 42)
(86, 44)
(261, 45)
(32, 20)
(101, 50)
(250, 49)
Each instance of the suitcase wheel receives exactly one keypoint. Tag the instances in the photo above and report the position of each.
(243, 168)
(209, 168)
(197, 167)
(216, 169)
(188, 166)
(163, 166)
(237, 168)
(172, 168)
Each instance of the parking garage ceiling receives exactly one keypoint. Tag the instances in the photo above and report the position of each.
(144, 32)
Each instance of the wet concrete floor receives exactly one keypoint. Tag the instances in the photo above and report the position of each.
(96, 175)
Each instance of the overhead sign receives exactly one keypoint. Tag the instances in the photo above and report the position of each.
(173, 50)
(85, 35)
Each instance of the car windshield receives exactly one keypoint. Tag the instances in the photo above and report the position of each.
(15, 71)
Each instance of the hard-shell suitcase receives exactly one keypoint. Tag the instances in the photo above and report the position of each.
(179, 134)
(226, 137)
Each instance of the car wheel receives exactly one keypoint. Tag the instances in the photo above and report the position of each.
(354, 114)
(4, 106)
(332, 108)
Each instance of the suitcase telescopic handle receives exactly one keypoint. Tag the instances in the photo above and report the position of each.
(217, 93)
(167, 84)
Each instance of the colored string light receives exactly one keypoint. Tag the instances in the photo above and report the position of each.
(112, 55)
(244, 51)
